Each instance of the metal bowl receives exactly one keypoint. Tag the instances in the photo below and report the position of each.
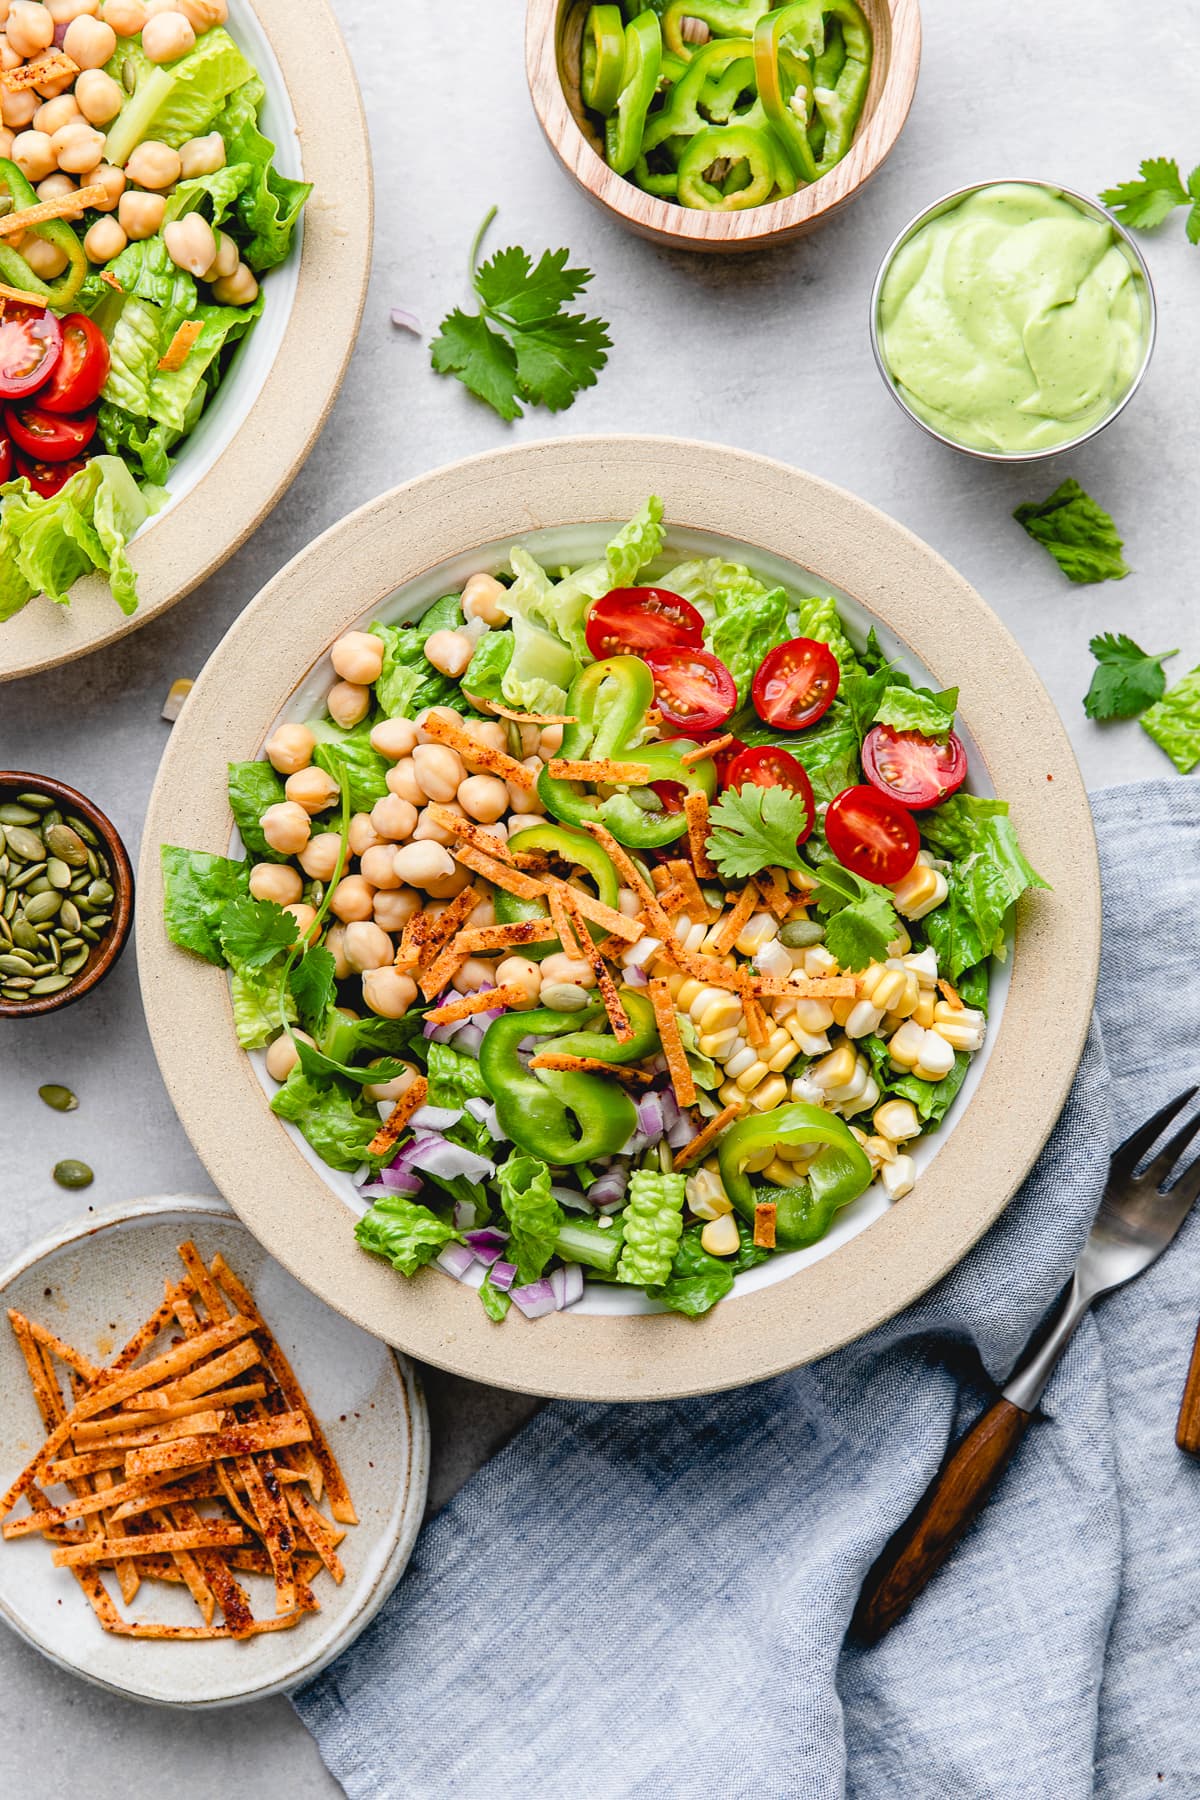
(1094, 210)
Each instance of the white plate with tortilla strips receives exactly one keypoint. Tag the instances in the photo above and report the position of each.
(93, 1285)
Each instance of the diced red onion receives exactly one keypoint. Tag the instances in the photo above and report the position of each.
(503, 1275)
(402, 319)
(399, 1179)
(60, 33)
(650, 1117)
(463, 1215)
(572, 1283)
(558, 1285)
(670, 1108)
(567, 1196)
(641, 953)
(636, 977)
(607, 1192)
(484, 1113)
(535, 1299)
(436, 1118)
(455, 1259)
(435, 1156)
(681, 1132)
(487, 1243)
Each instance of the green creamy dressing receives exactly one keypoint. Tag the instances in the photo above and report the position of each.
(1014, 321)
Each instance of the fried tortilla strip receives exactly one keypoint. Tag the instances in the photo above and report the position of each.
(185, 1312)
(528, 718)
(74, 1359)
(206, 1288)
(412, 941)
(441, 972)
(235, 1440)
(190, 1425)
(672, 899)
(617, 1016)
(509, 993)
(63, 206)
(485, 940)
(233, 1499)
(757, 1031)
(393, 1127)
(318, 1532)
(203, 1380)
(495, 762)
(274, 1525)
(204, 1485)
(525, 887)
(735, 922)
(702, 752)
(448, 923)
(700, 1144)
(180, 346)
(682, 1083)
(48, 67)
(695, 809)
(133, 1420)
(478, 836)
(604, 770)
(612, 921)
(21, 296)
(213, 1568)
(209, 1536)
(697, 906)
(563, 926)
(590, 1065)
(81, 1508)
(189, 1568)
(774, 892)
(73, 1468)
(806, 987)
(764, 1224)
(195, 1633)
(950, 994)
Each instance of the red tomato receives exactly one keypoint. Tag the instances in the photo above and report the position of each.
(692, 688)
(916, 770)
(49, 437)
(45, 478)
(82, 369)
(872, 834)
(720, 761)
(768, 767)
(795, 683)
(6, 460)
(30, 347)
(671, 794)
(630, 621)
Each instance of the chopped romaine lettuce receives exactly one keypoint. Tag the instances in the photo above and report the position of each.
(488, 666)
(177, 101)
(540, 670)
(818, 617)
(256, 1004)
(268, 204)
(918, 709)
(253, 786)
(406, 1234)
(408, 682)
(970, 924)
(534, 1215)
(745, 629)
(349, 752)
(1174, 722)
(171, 391)
(338, 1123)
(197, 887)
(46, 545)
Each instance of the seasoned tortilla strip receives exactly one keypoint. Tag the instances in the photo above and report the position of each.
(194, 1633)
(235, 1440)
(700, 1143)
(695, 809)
(774, 892)
(525, 887)
(63, 206)
(806, 987)
(71, 1468)
(757, 1032)
(317, 1528)
(605, 770)
(668, 1031)
(190, 1425)
(478, 836)
(764, 1224)
(206, 1288)
(21, 296)
(189, 1568)
(614, 922)
(528, 718)
(617, 1016)
(274, 1525)
(180, 346)
(702, 752)
(412, 941)
(697, 907)
(30, 1523)
(204, 1485)
(202, 1381)
(496, 762)
(65, 1353)
(410, 1101)
(672, 899)
(185, 1312)
(220, 1586)
(563, 926)
(485, 940)
(590, 1065)
(441, 971)
(50, 66)
(509, 993)
(735, 922)
(209, 1536)
(133, 1420)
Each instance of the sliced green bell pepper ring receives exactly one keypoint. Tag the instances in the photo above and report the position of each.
(562, 1116)
(609, 701)
(572, 847)
(801, 29)
(724, 18)
(59, 293)
(735, 143)
(840, 1173)
(664, 183)
(781, 76)
(624, 128)
(603, 62)
(704, 77)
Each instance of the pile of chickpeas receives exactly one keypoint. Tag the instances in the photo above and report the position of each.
(404, 864)
(55, 134)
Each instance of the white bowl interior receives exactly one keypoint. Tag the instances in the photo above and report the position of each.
(576, 544)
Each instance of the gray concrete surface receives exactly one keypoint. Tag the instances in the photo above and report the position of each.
(770, 353)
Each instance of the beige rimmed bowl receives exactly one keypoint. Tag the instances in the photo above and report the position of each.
(426, 536)
(264, 421)
(553, 36)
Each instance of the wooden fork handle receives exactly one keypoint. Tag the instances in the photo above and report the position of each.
(1187, 1431)
(949, 1505)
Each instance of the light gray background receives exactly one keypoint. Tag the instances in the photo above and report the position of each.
(770, 353)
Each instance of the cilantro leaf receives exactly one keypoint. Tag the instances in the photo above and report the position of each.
(253, 932)
(861, 920)
(511, 286)
(1078, 533)
(557, 357)
(1126, 681)
(1145, 203)
(311, 982)
(483, 361)
(1174, 723)
(756, 828)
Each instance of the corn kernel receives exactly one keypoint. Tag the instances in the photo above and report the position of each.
(743, 1059)
(885, 987)
(757, 1160)
(923, 1012)
(905, 1047)
(921, 890)
(812, 1015)
(759, 929)
(924, 965)
(720, 1236)
(779, 1052)
(862, 1102)
(897, 1121)
(936, 1058)
(720, 1015)
(782, 1174)
(841, 1009)
(818, 962)
(900, 946)
(851, 1089)
(961, 1026)
(770, 1093)
(812, 1043)
(748, 1079)
(803, 1088)
(729, 1094)
(863, 1019)
(706, 1196)
(687, 993)
(719, 1045)
(898, 1177)
(773, 960)
(834, 1070)
(879, 1150)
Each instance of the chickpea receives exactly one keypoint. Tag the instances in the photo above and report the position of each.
(388, 993)
(202, 15)
(140, 214)
(34, 155)
(89, 42)
(447, 713)
(202, 155)
(428, 831)
(285, 827)
(363, 835)
(530, 736)
(549, 741)
(527, 799)
(394, 738)
(97, 98)
(394, 907)
(347, 704)
(525, 822)
(190, 242)
(282, 1055)
(225, 261)
(335, 943)
(63, 11)
(238, 289)
(46, 260)
(52, 114)
(103, 241)
(319, 857)
(474, 974)
(439, 770)
(113, 182)
(125, 16)
(275, 881)
(377, 866)
(483, 797)
(9, 59)
(352, 899)
(167, 36)
(357, 657)
(567, 968)
(153, 165)
(490, 734)
(519, 969)
(390, 1090)
(419, 864)
(368, 946)
(290, 748)
(6, 141)
(312, 789)
(402, 781)
(483, 598)
(445, 887)
(30, 27)
(77, 147)
(17, 110)
(393, 818)
(306, 920)
(449, 651)
(54, 186)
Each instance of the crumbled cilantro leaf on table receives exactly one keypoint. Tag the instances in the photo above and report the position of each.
(1145, 203)
(1174, 722)
(1078, 533)
(755, 828)
(253, 932)
(860, 919)
(1126, 680)
(521, 345)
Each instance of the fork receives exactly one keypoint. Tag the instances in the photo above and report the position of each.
(1138, 1217)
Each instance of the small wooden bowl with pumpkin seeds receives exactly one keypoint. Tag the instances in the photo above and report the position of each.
(66, 894)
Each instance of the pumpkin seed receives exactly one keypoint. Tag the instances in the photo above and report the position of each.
(801, 934)
(67, 845)
(3, 844)
(99, 920)
(84, 829)
(50, 984)
(81, 881)
(72, 1174)
(129, 74)
(90, 933)
(14, 989)
(5, 930)
(53, 817)
(40, 802)
(12, 814)
(75, 961)
(93, 862)
(39, 885)
(563, 996)
(5, 860)
(100, 893)
(28, 874)
(68, 940)
(23, 933)
(3, 893)
(59, 1097)
(25, 843)
(70, 915)
(42, 908)
(10, 905)
(49, 967)
(14, 963)
(57, 872)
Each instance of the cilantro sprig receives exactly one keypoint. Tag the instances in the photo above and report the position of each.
(860, 919)
(1077, 532)
(756, 828)
(522, 345)
(1159, 190)
(1127, 680)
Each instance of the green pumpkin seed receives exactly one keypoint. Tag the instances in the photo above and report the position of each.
(5, 860)
(58, 873)
(14, 964)
(93, 862)
(100, 893)
(15, 990)
(72, 1174)
(81, 881)
(12, 814)
(25, 843)
(10, 905)
(42, 908)
(3, 892)
(40, 802)
(69, 940)
(3, 845)
(67, 845)
(26, 876)
(801, 934)
(83, 828)
(99, 920)
(75, 961)
(39, 885)
(59, 1097)
(23, 933)
(53, 817)
(5, 930)
(71, 916)
(50, 984)
(90, 933)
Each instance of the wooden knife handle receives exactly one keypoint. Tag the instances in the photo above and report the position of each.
(1187, 1431)
(951, 1502)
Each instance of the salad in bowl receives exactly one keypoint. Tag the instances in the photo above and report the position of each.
(618, 925)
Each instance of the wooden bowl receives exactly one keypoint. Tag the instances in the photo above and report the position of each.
(392, 558)
(108, 950)
(553, 32)
(260, 428)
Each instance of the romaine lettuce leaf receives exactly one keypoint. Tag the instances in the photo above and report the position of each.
(214, 195)
(540, 670)
(135, 347)
(197, 887)
(137, 441)
(256, 1011)
(488, 666)
(172, 391)
(818, 617)
(268, 204)
(146, 272)
(177, 101)
(953, 827)
(339, 750)
(408, 681)
(743, 632)
(406, 1234)
(534, 1215)
(918, 709)
(338, 1123)
(46, 545)
(560, 608)
(969, 926)
(453, 1077)
(1174, 722)
(253, 786)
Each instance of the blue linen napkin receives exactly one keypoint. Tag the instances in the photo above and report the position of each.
(653, 1600)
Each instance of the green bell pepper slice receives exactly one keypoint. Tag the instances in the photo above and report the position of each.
(795, 36)
(563, 1116)
(624, 129)
(737, 143)
(782, 75)
(609, 701)
(16, 272)
(572, 847)
(724, 18)
(706, 80)
(840, 1173)
(603, 63)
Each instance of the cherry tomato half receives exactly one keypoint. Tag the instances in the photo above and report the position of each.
(768, 767)
(81, 370)
(692, 688)
(6, 460)
(49, 437)
(872, 834)
(796, 683)
(30, 347)
(917, 771)
(45, 478)
(630, 621)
